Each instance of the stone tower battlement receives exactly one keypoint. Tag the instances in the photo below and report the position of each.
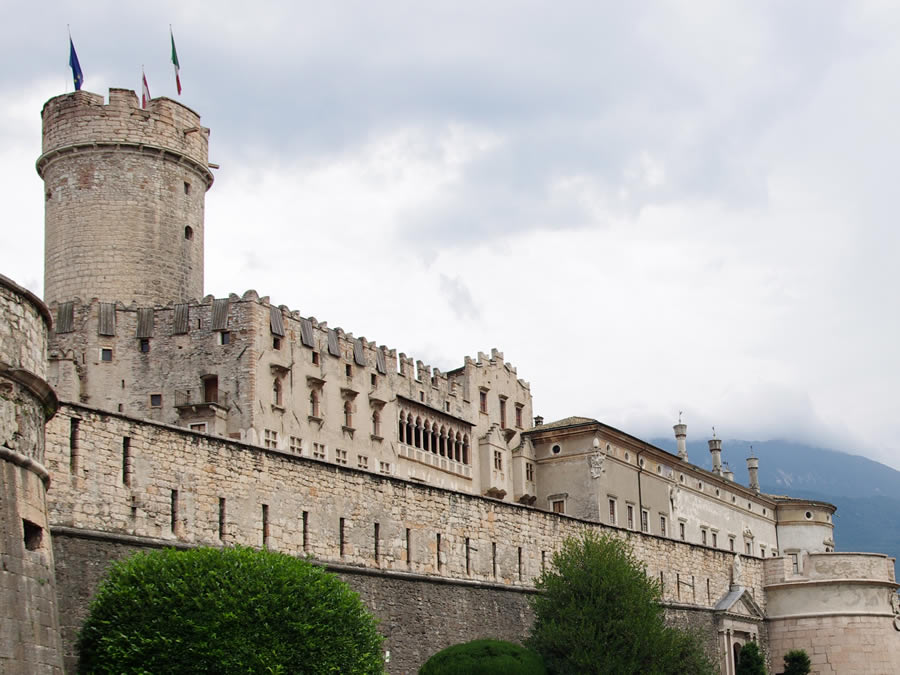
(124, 198)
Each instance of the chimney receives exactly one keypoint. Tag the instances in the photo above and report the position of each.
(538, 420)
(753, 470)
(681, 438)
(727, 474)
(715, 449)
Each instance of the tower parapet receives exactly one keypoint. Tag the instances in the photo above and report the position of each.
(124, 199)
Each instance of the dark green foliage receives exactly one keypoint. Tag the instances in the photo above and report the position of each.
(796, 662)
(598, 612)
(235, 610)
(484, 657)
(750, 661)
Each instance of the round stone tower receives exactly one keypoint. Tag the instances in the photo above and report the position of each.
(124, 192)
(29, 624)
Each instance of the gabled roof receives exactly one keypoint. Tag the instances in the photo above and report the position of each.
(739, 601)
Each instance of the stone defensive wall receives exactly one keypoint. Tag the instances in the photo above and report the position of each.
(117, 173)
(436, 566)
(844, 604)
(29, 624)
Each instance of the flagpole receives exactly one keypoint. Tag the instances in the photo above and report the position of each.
(66, 88)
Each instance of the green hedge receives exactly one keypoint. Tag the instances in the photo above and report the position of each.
(235, 610)
(484, 657)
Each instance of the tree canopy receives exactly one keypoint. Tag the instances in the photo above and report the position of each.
(484, 657)
(233, 610)
(598, 612)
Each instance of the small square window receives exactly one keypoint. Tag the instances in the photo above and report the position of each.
(422, 396)
(319, 451)
(270, 438)
(156, 400)
(276, 342)
(348, 369)
(340, 456)
(296, 445)
(447, 406)
(187, 188)
(145, 345)
(362, 462)
(385, 467)
(106, 354)
(559, 506)
(374, 380)
(199, 427)
(34, 535)
(315, 358)
(224, 337)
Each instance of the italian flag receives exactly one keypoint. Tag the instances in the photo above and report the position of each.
(175, 62)
(145, 90)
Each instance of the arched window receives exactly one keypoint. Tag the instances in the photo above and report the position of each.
(402, 427)
(418, 437)
(443, 446)
(434, 438)
(465, 449)
(426, 436)
(348, 414)
(409, 429)
(457, 447)
(376, 423)
(276, 392)
(314, 403)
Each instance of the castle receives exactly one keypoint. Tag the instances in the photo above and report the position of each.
(136, 413)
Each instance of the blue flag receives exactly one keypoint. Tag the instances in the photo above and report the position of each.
(77, 75)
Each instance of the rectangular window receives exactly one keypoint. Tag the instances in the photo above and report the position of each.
(748, 547)
(106, 355)
(348, 369)
(529, 471)
(276, 342)
(341, 537)
(306, 530)
(319, 451)
(703, 537)
(468, 557)
(502, 413)
(377, 539)
(362, 462)
(731, 543)
(518, 416)
(385, 468)
(156, 400)
(296, 445)
(520, 563)
(662, 525)
(221, 517)
(795, 563)
(270, 438)
(126, 461)
(73, 445)
(144, 345)
(374, 380)
(33, 533)
(211, 389)
(340, 456)
(494, 559)
(645, 520)
(630, 514)
(715, 540)
(438, 551)
(315, 358)
(762, 551)
(173, 511)
(482, 401)
(199, 427)
(681, 531)
(498, 460)
(224, 337)
(559, 506)
(612, 511)
(408, 546)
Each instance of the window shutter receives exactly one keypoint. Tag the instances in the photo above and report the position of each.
(306, 333)
(107, 319)
(333, 347)
(220, 314)
(276, 321)
(182, 319)
(380, 365)
(145, 323)
(65, 317)
(359, 353)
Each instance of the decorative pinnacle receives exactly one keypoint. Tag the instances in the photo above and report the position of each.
(714, 432)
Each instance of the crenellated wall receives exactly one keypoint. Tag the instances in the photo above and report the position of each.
(165, 484)
(29, 624)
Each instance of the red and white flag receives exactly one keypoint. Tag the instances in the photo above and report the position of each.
(145, 92)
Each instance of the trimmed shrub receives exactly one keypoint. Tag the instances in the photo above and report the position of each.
(796, 662)
(235, 610)
(598, 612)
(484, 657)
(750, 661)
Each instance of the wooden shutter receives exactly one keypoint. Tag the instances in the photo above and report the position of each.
(333, 347)
(145, 323)
(181, 322)
(65, 317)
(359, 353)
(276, 321)
(220, 314)
(107, 319)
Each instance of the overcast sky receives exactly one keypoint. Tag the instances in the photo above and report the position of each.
(648, 207)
